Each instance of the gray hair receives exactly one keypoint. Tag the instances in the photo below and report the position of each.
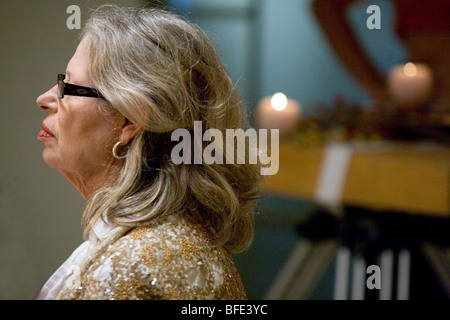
(162, 72)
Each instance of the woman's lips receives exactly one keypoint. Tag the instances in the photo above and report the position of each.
(45, 132)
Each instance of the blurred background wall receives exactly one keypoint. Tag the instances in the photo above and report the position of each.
(272, 46)
(267, 46)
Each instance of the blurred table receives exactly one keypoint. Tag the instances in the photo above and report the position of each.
(412, 178)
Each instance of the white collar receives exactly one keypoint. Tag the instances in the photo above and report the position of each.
(53, 286)
(99, 231)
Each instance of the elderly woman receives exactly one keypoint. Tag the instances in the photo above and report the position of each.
(154, 229)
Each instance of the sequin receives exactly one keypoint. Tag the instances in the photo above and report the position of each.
(169, 259)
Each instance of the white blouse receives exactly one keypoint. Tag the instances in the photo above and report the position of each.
(69, 270)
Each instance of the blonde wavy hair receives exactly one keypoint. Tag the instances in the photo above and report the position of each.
(161, 72)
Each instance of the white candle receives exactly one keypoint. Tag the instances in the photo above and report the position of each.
(410, 84)
(278, 112)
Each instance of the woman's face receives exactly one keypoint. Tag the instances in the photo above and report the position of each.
(77, 136)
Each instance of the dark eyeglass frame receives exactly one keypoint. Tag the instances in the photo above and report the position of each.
(75, 90)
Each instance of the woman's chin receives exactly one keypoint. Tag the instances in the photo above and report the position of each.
(50, 158)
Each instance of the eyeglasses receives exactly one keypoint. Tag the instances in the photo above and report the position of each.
(75, 90)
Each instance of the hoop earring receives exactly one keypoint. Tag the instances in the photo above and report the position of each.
(114, 152)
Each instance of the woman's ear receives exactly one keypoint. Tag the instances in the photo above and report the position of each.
(129, 131)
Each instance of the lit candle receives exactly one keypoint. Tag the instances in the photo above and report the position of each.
(410, 84)
(278, 112)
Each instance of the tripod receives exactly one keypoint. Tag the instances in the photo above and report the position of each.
(363, 242)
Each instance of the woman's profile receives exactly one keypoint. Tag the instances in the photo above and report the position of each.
(153, 229)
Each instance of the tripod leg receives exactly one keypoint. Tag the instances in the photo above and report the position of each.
(312, 269)
(403, 275)
(387, 258)
(342, 270)
(439, 257)
(293, 263)
(302, 270)
(358, 279)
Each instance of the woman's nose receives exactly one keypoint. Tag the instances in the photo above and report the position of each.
(48, 101)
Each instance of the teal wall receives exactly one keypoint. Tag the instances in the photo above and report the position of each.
(276, 45)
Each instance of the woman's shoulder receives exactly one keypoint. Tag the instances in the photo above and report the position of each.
(170, 259)
(176, 232)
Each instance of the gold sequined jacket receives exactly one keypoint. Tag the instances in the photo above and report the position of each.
(171, 259)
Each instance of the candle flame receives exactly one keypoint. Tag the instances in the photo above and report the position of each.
(410, 69)
(279, 101)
